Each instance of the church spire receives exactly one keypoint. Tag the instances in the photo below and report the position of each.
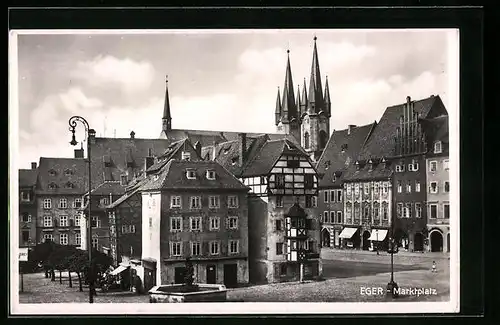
(315, 104)
(288, 103)
(328, 104)
(297, 105)
(277, 112)
(167, 118)
(303, 99)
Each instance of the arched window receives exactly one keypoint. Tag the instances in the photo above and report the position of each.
(306, 140)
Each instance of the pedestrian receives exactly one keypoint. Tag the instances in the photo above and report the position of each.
(434, 266)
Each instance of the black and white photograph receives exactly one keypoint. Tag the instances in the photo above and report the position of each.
(247, 171)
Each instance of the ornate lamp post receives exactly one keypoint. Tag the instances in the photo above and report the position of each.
(392, 249)
(72, 125)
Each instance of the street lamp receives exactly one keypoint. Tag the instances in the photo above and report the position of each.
(72, 125)
(391, 286)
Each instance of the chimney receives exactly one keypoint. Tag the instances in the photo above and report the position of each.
(78, 153)
(92, 136)
(242, 148)
(197, 147)
(132, 135)
(214, 150)
(33, 165)
(148, 162)
(349, 128)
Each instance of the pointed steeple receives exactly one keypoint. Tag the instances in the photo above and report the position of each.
(297, 105)
(167, 118)
(277, 112)
(288, 103)
(315, 89)
(303, 100)
(328, 104)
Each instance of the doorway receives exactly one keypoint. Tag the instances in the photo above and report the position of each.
(436, 241)
(149, 278)
(211, 274)
(366, 242)
(230, 275)
(325, 238)
(180, 274)
(418, 244)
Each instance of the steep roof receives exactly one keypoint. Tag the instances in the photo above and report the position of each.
(172, 149)
(437, 129)
(341, 150)
(378, 171)
(27, 177)
(106, 188)
(173, 176)
(62, 176)
(136, 188)
(381, 142)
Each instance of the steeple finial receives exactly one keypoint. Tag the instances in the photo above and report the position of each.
(167, 117)
(277, 112)
(327, 98)
(303, 102)
(315, 88)
(288, 104)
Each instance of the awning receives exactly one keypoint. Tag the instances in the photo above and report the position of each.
(378, 237)
(119, 269)
(347, 232)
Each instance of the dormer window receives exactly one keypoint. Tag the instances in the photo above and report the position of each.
(123, 180)
(70, 185)
(186, 156)
(327, 164)
(343, 147)
(52, 186)
(150, 152)
(413, 167)
(130, 164)
(438, 148)
(334, 177)
(357, 165)
(68, 172)
(52, 172)
(234, 160)
(210, 174)
(191, 174)
(400, 168)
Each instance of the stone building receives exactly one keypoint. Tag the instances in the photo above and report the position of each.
(27, 206)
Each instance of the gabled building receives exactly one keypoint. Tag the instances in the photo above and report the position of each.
(283, 228)
(194, 209)
(61, 183)
(341, 151)
(27, 206)
(438, 184)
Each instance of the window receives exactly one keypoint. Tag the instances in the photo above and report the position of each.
(104, 201)
(314, 200)
(339, 216)
(48, 237)
(25, 196)
(367, 214)
(123, 180)
(195, 248)
(52, 172)
(438, 147)
(399, 210)
(176, 248)
(280, 181)
(308, 181)
(96, 223)
(306, 140)
(376, 211)
(279, 248)
(433, 166)
(279, 201)
(175, 223)
(408, 186)
(446, 211)
(77, 203)
(26, 235)
(195, 202)
(332, 216)
(175, 201)
(446, 164)
(214, 223)
(356, 189)
(348, 189)
(63, 239)
(232, 201)
(400, 168)
(263, 180)
(418, 210)
(283, 269)
(95, 242)
(195, 223)
(292, 164)
(446, 187)
(233, 222)
(417, 186)
(332, 196)
(47, 203)
(407, 210)
(367, 189)
(384, 211)
(186, 156)
(214, 248)
(210, 175)
(191, 174)
(52, 186)
(77, 220)
(47, 221)
(279, 225)
(433, 188)
(234, 246)
(376, 188)
(78, 238)
(26, 217)
(433, 211)
(386, 188)
(128, 229)
(213, 202)
(325, 196)
(334, 177)
(339, 195)
(309, 201)
(325, 216)
(400, 187)
(63, 221)
(150, 222)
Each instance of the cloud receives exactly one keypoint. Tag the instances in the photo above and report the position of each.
(105, 71)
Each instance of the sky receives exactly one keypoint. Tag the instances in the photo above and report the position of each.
(224, 80)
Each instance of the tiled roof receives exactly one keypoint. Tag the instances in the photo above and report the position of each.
(127, 195)
(172, 149)
(27, 177)
(106, 188)
(378, 171)
(437, 129)
(66, 175)
(341, 150)
(173, 176)
(381, 142)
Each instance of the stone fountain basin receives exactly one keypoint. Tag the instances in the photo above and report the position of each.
(175, 293)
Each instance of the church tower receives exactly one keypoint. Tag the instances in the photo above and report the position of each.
(316, 108)
(287, 111)
(167, 117)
